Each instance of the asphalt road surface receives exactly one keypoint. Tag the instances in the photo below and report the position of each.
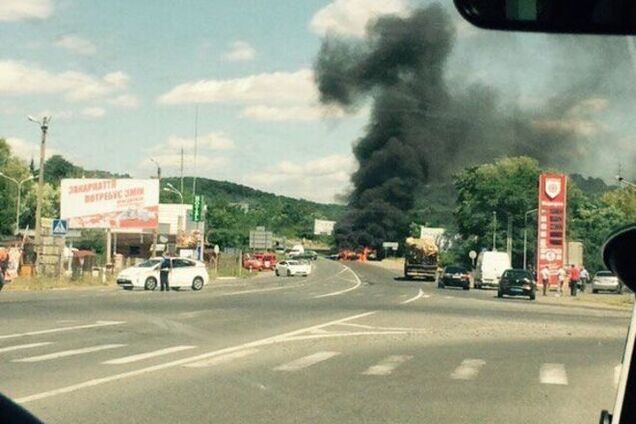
(345, 345)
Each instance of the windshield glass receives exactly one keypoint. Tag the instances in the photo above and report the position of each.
(337, 188)
(518, 274)
(605, 274)
(149, 263)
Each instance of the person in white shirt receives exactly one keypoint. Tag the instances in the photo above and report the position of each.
(545, 279)
(585, 278)
(562, 275)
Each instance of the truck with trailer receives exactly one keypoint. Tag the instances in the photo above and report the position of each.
(421, 257)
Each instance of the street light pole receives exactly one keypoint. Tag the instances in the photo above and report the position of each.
(156, 234)
(171, 189)
(44, 126)
(17, 206)
(525, 236)
(494, 231)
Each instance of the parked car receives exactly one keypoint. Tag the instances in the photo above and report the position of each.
(267, 259)
(454, 276)
(296, 251)
(183, 273)
(292, 267)
(517, 282)
(606, 281)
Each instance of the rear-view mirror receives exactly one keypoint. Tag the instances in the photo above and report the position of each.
(619, 255)
(555, 16)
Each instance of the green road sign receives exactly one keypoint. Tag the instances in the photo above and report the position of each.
(197, 208)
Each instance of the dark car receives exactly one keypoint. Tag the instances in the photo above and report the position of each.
(454, 276)
(517, 282)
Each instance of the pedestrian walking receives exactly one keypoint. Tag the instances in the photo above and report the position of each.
(585, 278)
(4, 265)
(164, 272)
(561, 275)
(545, 279)
(574, 275)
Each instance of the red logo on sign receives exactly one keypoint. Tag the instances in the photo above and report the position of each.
(552, 187)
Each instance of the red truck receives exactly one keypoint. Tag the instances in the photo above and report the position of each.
(259, 261)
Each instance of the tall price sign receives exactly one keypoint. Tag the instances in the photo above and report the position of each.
(551, 231)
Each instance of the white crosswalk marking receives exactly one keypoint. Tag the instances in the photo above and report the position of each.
(216, 360)
(142, 356)
(553, 374)
(387, 365)
(23, 346)
(306, 361)
(468, 370)
(60, 329)
(66, 353)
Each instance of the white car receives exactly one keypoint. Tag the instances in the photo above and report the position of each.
(292, 267)
(182, 273)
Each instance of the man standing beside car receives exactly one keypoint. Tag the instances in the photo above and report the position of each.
(545, 279)
(164, 272)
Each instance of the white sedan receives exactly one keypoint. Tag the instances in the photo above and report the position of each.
(181, 273)
(292, 267)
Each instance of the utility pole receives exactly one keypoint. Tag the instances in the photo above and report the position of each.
(156, 232)
(494, 231)
(181, 173)
(196, 143)
(525, 237)
(44, 126)
(509, 236)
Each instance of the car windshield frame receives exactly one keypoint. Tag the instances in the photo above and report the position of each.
(149, 263)
(518, 274)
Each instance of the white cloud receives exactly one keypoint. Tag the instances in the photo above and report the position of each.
(350, 17)
(209, 160)
(582, 127)
(319, 179)
(76, 45)
(58, 115)
(276, 87)
(240, 51)
(270, 97)
(211, 141)
(19, 78)
(291, 113)
(17, 10)
(93, 112)
(126, 101)
(29, 150)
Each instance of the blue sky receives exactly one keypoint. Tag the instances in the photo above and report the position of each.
(121, 79)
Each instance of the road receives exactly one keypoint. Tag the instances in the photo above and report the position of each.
(347, 344)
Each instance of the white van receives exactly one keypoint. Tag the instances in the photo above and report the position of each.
(297, 250)
(490, 266)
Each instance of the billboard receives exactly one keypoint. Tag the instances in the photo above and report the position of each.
(551, 223)
(110, 203)
(323, 227)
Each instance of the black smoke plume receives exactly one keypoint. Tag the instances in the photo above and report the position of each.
(421, 130)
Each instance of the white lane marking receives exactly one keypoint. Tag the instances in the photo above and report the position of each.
(426, 296)
(414, 298)
(553, 374)
(221, 359)
(332, 335)
(115, 377)
(306, 361)
(468, 370)
(336, 293)
(23, 346)
(617, 374)
(387, 365)
(258, 290)
(60, 329)
(142, 356)
(65, 353)
(371, 327)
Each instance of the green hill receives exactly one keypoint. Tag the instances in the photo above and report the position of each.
(234, 209)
